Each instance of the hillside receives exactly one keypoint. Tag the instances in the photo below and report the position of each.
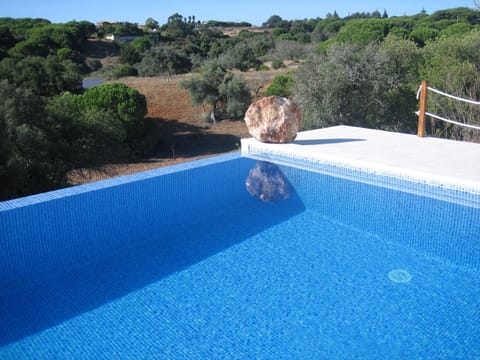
(181, 131)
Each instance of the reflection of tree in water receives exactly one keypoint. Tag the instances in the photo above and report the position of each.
(266, 182)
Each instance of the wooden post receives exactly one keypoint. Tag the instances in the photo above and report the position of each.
(423, 109)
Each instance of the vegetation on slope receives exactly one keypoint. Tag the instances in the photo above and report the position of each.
(363, 70)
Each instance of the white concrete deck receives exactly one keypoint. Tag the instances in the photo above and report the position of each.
(444, 162)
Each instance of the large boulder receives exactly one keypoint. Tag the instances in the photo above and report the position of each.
(273, 119)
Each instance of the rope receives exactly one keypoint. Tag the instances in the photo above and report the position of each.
(419, 92)
(450, 121)
(450, 96)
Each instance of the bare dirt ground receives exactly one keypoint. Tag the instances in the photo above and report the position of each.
(182, 132)
(234, 31)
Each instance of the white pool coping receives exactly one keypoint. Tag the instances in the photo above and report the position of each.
(448, 163)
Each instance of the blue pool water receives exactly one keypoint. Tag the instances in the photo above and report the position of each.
(236, 258)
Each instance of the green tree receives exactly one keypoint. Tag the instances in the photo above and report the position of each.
(368, 86)
(121, 28)
(272, 21)
(20, 27)
(204, 88)
(456, 29)
(122, 132)
(301, 26)
(241, 57)
(127, 103)
(85, 30)
(47, 39)
(44, 76)
(177, 27)
(281, 86)
(218, 88)
(141, 44)
(363, 31)
(235, 95)
(279, 31)
(7, 41)
(277, 64)
(129, 54)
(421, 34)
(203, 41)
(28, 161)
(327, 28)
(463, 14)
(286, 37)
(151, 24)
(86, 136)
(289, 50)
(124, 70)
(163, 60)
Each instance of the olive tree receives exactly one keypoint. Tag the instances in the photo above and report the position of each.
(163, 60)
(368, 86)
(241, 57)
(218, 88)
(235, 95)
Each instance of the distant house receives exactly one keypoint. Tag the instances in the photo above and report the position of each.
(114, 37)
(101, 23)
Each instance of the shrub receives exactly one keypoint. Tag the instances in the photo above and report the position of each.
(370, 86)
(281, 86)
(94, 65)
(263, 67)
(162, 60)
(125, 70)
(277, 64)
(126, 103)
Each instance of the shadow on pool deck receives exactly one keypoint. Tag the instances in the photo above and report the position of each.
(69, 291)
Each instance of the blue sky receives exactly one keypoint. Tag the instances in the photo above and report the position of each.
(253, 11)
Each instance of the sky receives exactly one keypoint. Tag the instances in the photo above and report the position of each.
(253, 11)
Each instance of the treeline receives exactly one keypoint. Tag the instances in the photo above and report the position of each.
(362, 28)
(185, 44)
(227, 24)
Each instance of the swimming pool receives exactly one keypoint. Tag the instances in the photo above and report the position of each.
(233, 257)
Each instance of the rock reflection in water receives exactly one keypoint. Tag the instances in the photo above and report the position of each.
(267, 182)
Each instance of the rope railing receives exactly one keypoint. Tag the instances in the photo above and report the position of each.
(422, 113)
(450, 121)
(453, 97)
